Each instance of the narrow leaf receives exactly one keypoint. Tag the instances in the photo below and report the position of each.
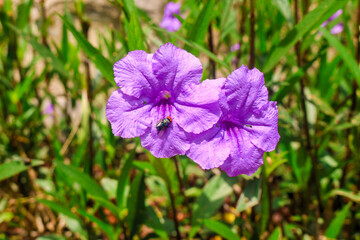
(103, 64)
(86, 182)
(348, 58)
(221, 229)
(200, 27)
(123, 181)
(311, 21)
(107, 228)
(10, 169)
(136, 204)
(336, 224)
(212, 196)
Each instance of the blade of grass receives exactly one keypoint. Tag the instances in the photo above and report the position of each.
(103, 64)
(348, 59)
(83, 179)
(199, 29)
(221, 229)
(336, 224)
(123, 181)
(311, 21)
(10, 169)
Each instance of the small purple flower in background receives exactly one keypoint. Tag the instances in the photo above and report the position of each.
(49, 110)
(155, 86)
(247, 128)
(169, 21)
(235, 47)
(338, 28)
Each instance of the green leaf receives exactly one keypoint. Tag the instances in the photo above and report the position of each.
(284, 7)
(213, 195)
(55, 62)
(123, 181)
(346, 56)
(250, 196)
(57, 207)
(336, 224)
(153, 221)
(350, 195)
(276, 234)
(311, 21)
(72, 221)
(10, 169)
(51, 237)
(221, 229)
(136, 204)
(85, 181)
(108, 205)
(23, 14)
(103, 64)
(135, 35)
(107, 228)
(129, 7)
(200, 27)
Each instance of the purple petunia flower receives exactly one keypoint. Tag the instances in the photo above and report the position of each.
(235, 47)
(333, 17)
(49, 110)
(169, 21)
(154, 86)
(246, 129)
(338, 28)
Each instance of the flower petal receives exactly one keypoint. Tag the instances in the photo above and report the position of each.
(338, 28)
(166, 143)
(264, 127)
(175, 67)
(129, 117)
(133, 74)
(171, 24)
(245, 158)
(245, 90)
(197, 106)
(210, 149)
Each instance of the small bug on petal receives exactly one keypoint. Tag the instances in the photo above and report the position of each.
(164, 123)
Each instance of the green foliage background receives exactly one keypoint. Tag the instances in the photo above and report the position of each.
(65, 176)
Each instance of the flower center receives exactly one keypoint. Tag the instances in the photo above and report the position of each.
(163, 97)
(165, 94)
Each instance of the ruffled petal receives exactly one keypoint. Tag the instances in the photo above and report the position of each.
(245, 158)
(263, 127)
(209, 149)
(129, 116)
(175, 67)
(245, 90)
(166, 143)
(133, 74)
(197, 106)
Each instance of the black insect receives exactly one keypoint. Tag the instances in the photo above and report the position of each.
(164, 123)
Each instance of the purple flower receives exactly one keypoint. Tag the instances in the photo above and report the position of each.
(235, 47)
(246, 129)
(334, 16)
(154, 86)
(169, 21)
(49, 110)
(338, 28)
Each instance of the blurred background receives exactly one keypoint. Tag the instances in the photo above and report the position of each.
(64, 175)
